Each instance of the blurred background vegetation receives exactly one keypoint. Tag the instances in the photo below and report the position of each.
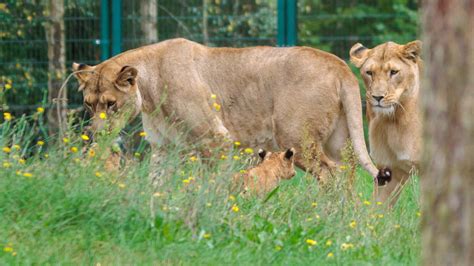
(25, 67)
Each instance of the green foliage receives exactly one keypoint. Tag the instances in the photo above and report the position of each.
(63, 207)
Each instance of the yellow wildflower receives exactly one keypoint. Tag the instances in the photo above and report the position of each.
(236, 157)
(143, 134)
(328, 243)
(27, 174)
(157, 194)
(231, 198)
(418, 214)
(7, 116)
(8, 249)
(380, 216)
(343, 167)
(330, 255)
(206, 236)
(237, 143)
(366, 202)
(65, 140)
(7, 149)
(103, 116)
(371, 227)
(16, 147)
(379, 203)
(278, 247)
(186, 181)
(243, 171)
(235, 208)
(137, 154)
(223, 157)
(98, 174)
(8, 86)
(311, 242)
(397, 226)
(314, 204)
(213, 96)
(91, 153)
(193, 158)
(121, 185)
(318, 217)
(248, 150)
(346, 246)
(46, 155)
(208, 204)
(353, 224)
(14, 253)
(84, 137)
(6, 164)
(216, 106)
(74, 149)
(40, 143)
(21, 161)
(40, 110)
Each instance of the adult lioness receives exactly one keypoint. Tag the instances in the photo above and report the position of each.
(266, 97)
(391, 74)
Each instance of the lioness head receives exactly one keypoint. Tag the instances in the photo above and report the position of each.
(110, 93)
(390, 72)
(281, 164)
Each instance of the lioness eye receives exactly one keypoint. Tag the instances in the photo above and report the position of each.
(369, 73)
(393, 72)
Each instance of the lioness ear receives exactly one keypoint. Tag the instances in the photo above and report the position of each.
(126, 77)
(358, 54)
(289, 153)
(412, 50)
(84, 76)
(262, 153)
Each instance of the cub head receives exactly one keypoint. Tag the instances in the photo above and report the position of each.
(282, 164)
(391, 73)
(111, 94)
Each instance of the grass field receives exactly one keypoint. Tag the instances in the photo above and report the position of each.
(59, 206)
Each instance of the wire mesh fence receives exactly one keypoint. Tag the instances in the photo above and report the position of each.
(329, 25)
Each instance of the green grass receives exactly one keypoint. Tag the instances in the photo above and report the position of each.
(71, 211)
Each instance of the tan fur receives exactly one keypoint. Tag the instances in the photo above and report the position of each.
(268, 96)
(266, 176)
(395, 128)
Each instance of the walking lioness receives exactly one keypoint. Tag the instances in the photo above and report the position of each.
(261, 96)
(391, 74)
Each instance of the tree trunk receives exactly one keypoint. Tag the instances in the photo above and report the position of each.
(448, 95)
(55, 38)
(149, 14)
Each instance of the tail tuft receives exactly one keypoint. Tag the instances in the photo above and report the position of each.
(384, 176)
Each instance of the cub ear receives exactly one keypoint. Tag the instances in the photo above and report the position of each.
(412, 50)
(84, 72)
(262, 153)
(358, 54)
(126, 78)
(289, 153)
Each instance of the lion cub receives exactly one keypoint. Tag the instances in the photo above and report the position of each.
(264, 177)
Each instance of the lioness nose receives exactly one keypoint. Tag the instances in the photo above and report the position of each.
(377, 98)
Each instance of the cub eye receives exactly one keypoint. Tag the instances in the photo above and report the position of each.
(393, 72)
(369, 73)
(111, 104)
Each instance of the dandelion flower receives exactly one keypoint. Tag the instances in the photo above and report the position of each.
(206, 236)
(223, 157)
(27, 174)
(366, 202)
(237, 143)
(235, 208)
(353, 224)
(314, 204)
(74, 149)
(397, 226)
(8, 249)
(379, 203)
(311, 242)
(418, 214)
(243, 171)
(142, 134)
(21, 161)
(6, 165)
(16, 147)
(328, 243)
(121, 185)
(14, 253)
(236, 157)
(343, 167)
(278, 247)
(346, 246)
(231, 198)
(7, 149)
(248, 150)
(136, 154)
(98, 174)
(380, 216)
(40, 143)
(7, 116)
(8, 86)
(208, 204)
(216, 106)
(91, 153)
(330, 255)
(157, 194)
(186, 181)
(40, 110)
(193, 158)
(213, 96)
(103, 116)
(65, 140)
(84, 137)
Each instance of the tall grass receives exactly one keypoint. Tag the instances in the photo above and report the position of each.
(58, 205)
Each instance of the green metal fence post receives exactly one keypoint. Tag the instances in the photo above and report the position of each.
(291, 22)
(116, 27)
(104, 30)
(281, 25)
